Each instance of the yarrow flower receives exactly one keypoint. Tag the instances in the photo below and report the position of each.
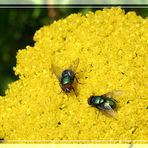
(112, 48)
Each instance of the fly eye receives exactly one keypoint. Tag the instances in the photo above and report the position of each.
(89, 101)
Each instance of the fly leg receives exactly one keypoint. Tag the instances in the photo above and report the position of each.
(74, 91)
(77, 80)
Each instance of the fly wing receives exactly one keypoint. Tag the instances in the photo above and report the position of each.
(57, 71)
(107, 109)
(110, 112)
(113, 94)
(74, 65)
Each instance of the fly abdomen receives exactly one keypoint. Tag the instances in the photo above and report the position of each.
(111, 102)
(107, 104)
(66, 80)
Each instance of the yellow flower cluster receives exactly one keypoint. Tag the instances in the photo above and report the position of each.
(112, 48)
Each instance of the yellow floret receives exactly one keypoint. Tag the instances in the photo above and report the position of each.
(112, 48)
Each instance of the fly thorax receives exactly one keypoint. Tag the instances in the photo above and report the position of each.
(69, 73)
(97, 100)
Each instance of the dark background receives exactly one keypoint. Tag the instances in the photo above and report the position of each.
(17, 27)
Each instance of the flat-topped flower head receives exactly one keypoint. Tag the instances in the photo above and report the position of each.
(112, 49)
